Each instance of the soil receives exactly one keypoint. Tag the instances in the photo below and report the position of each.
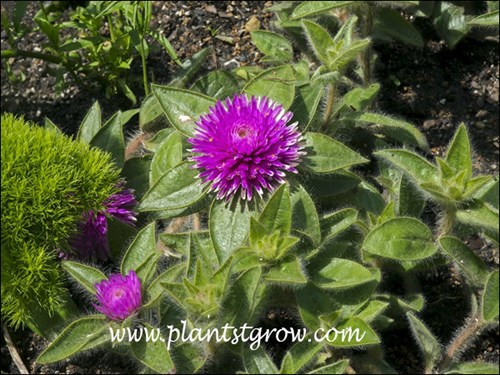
(435, 88)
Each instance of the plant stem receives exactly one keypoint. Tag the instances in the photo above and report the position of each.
(367, 54)
(447, 221)
(329, 105)
(144, 68)
(473, 327)
(16, 358)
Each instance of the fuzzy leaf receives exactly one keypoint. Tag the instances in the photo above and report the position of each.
(258, 362)
(136, 171)
(300, 355)
(142, 255)
(320, 40)
(326, 155)
(182, 107)
(479, 215)
(311, 8)
(110, 138)
(327, 185)
(179, 187)
(490, 298)
(277, 84)
(487, 19)
(392, 23)
(153, 354)
(352, 333)
(458, 156)
(229, 224)
(361, 97)
(82, 334)
(431, 350)
(171, 275)
(218, 84)
(410, 201)
(288, 271)
(338, 367)
(401, 238)
(372, 310)
(86, 275)
(305, 218)
(465, 258)
(489, 193)
(150, 110)
(306, 104)
(336, 222)
(417, 167)
(273, 45)
(277, 216)
(450, 23)
(168, 155)
(312, 302)
(473, 368)
(393, 128)
(339, 274)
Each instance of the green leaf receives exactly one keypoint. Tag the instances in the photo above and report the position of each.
(190, 68)
(490, 298)
(110, 138)
(340, 57)
(489, 193)
(305, 218)
(353, 332)
(229, 224)
(326, 155)
(320, 40)
(179, 187)
(430, 347)
(339, 273)
(277, 215)
(360, 98)
(473, 368)
(150, 111)
(188, 358)
(479, 215)
(410, 163)
(274, 46)
(169, 154)
(392, 23)
(402, 238)
(306, 104)
(288, 271)
(398, 130)
(258, 362)
(84, 333)
(153, 354)
(327, 185)
(372, 310)
(338, 367)
(311, 8)
(409, 201)
(458, 156)
(218, 84)
(312, 302)
(277, 84)
(142, 255)
(472, 265)
(337, 222)
(86, 275)
(300, 355)
(487, 19)
(171, 275)
(475, 184)
(136, 173)
(182, 107)
(450, 23)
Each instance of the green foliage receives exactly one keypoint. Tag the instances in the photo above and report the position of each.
(47, 182)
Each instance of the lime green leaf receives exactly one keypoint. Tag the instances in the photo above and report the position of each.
(401, 238)
(326, 155)
(86, 275)
(410, 163)
(182, 107)
(458, 156)
(320, 40)
(277, 84)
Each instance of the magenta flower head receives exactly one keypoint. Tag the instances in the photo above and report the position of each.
(92, 241)
(119, 296)
(245, 145)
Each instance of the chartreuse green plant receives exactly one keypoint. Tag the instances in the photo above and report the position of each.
(249, 202)
(48, 181)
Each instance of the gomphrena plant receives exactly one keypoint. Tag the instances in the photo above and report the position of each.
(48, 181)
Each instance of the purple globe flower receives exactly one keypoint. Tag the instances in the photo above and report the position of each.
(92, 241)
(246, 145)
(119, 296)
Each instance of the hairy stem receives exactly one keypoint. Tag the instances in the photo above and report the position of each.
(471, 329)
(329, 105)
(366, 55)
(447, 222)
